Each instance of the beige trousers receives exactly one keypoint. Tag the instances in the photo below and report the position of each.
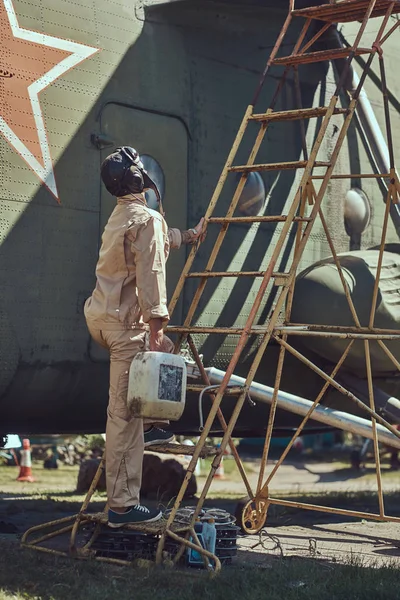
(124, 433)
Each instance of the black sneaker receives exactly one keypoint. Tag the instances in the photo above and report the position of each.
(136, 514)
(155, 435)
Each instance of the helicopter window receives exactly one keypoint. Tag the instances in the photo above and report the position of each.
(155, 171)
(252, 198)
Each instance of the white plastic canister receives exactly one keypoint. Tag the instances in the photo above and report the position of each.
(157, 386)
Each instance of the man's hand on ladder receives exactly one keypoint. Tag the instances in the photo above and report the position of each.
(199, 232)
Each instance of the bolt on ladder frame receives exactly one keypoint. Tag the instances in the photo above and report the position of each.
(348, 10)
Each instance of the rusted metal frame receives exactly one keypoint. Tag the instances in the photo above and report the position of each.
(179, 554)
(199, 548)
(300, 105)
(275, 315)
(295, 114)
(214, 274)
(339, 268)
(231, 391)
(263, 493)
(388, 123)
(320, 56)
(342, 8)
(392, 192)
(278, 376)
(211, 206)
(268, 219)
(241, 184)
(267, 278)
(374, 432)
(271, 421)
(331, 510)
(321, 331)
(375, 291)
(220, 416)
(385, 94)
(292, 327)
(382, 28)
(85, 504)
(389, 354)
(246, 333)
(93, 538)
(314, 38)
(221, 235)
(113, 561)
(305, 179)
(354, 47)
(299, 232)
(45, 526)
(48, 536)
(337, 386)
(318, 197)
(189, 472)
(224, 174)
(389, 33)
(273, 54)
(332, 334)
(209, 329)
(376, 47)
(281, 166)
(356, 176)
(266, 339)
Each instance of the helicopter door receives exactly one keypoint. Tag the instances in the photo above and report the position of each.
(162, 143)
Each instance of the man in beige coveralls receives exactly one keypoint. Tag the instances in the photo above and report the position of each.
(126, 314)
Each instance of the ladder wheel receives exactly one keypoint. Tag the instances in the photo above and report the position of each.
(253, 516)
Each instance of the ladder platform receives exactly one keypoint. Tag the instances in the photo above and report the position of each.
(282, 166)
(321, 55)
(346, 10)
(181, 449)
(156, 528)
(293, 115)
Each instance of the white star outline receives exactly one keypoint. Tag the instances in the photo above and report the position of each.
(79, 53)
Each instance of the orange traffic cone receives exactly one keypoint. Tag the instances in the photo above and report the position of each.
(25, 472)
(220, 472)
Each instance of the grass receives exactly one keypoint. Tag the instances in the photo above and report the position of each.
(28, 575)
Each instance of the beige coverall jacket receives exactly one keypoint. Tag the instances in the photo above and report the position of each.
(130, 290)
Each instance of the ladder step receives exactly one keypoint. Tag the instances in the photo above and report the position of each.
(181, 449)
(297, 164)
(313, 57)
(268, 219)
(345, 11)
(230, 391)
(227, 274)
(256, 330)
(292, 115)
(235, 274)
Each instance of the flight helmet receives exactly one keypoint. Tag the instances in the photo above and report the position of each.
(123, 173)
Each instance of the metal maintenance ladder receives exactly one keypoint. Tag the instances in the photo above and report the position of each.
(301, 215)
(306, 197)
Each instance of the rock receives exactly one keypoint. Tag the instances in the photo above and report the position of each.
(161, 479)
(87, 471)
